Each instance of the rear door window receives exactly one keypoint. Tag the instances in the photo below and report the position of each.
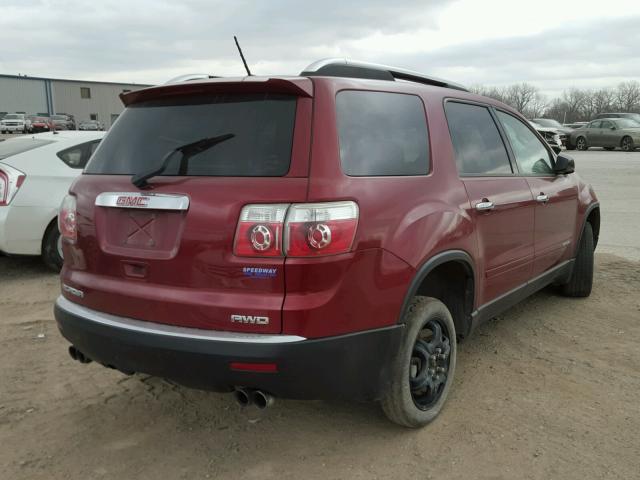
(532, 156)
(261, 126)
(478, 147)
(382, 134)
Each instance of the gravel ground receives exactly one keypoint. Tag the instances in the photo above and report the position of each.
(549, 390)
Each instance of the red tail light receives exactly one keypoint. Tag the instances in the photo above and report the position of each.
(310, 229)
(315, 229)
(259, 232)
(10, 182)
(67, 221)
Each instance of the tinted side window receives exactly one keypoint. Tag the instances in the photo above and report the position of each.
(78, 155)
(595, 124)
(531, 154)
(606, 124)
(382, 134)
(477, 143)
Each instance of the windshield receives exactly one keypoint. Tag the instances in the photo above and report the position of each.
(13, 116)
(627, 123)
(262, 125)
(548, 122)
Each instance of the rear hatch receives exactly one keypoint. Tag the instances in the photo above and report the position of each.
(164, 252)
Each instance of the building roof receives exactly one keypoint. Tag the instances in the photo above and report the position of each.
(27, 77)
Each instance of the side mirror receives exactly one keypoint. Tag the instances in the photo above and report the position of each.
(564, 164)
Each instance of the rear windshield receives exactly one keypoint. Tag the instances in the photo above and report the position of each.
(14, 147)
(261, 125)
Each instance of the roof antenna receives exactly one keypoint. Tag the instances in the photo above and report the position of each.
(246, 67)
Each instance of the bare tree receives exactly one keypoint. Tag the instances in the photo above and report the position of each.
(520, 95)
(536, 107)
(627, 96)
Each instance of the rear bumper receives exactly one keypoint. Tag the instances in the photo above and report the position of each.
(349, 366)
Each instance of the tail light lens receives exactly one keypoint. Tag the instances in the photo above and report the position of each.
(11, 180)
(315, 229)
(259, 232)
(67, 219)
(309, 230)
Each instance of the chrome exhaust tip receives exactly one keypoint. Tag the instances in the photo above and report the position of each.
(262, 400)
(242, 396)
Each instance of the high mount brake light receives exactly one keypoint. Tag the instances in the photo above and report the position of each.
(298, 230)
(11, 180)
(67, 219)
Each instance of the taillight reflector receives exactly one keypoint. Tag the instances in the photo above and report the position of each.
(67, 221)
(254, 367)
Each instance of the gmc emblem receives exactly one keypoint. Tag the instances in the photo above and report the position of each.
(250, 319)
(125, 201)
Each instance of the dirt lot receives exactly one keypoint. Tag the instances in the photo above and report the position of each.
(550, 390)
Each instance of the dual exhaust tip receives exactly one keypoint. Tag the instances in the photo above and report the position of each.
(78, 356)
(246, 397)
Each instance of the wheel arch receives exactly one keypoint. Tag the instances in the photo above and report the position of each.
(435, 277)
(592, 216)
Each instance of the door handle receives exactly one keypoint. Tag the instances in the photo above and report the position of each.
(485, 205)
(542, 198)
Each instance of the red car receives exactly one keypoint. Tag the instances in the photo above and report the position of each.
(40, 124)
(327, 235)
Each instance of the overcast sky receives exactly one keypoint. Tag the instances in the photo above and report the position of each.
(551, 44)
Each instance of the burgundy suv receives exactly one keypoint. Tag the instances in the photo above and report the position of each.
(321, 236)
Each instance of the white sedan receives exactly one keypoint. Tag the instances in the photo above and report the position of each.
(36, 172)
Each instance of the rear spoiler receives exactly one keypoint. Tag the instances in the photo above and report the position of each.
(301, 87)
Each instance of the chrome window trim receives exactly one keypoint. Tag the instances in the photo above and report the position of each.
(151, 328)
(154, 201)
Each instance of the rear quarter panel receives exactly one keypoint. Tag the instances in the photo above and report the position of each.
(408, 219)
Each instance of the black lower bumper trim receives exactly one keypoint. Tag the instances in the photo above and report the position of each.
(352, 366)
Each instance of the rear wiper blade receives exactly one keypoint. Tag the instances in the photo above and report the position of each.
(187, 151)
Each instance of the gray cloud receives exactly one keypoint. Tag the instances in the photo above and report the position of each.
(152, 40)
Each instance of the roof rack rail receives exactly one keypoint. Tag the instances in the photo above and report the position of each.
(189, 77)
(341, 67)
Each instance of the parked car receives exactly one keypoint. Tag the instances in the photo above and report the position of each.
(313, 236)
(608, 133)
(91, 125)
(631, 116)
(63, 122)
(575, 125)
(40, 124)
(35, 174)
(552, 136)
(15, 123)
(551, 123)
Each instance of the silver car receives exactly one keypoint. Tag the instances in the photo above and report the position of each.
(609, 133)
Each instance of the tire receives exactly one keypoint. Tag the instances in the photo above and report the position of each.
(51, 248)
(609, 148)
(581, 143)
(581, 281)
(414, 363)
(627, 144)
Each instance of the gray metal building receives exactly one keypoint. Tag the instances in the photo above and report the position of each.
(85, 100)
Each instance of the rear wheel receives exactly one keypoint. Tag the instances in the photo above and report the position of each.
(422, 370)
(52, 248)
(627, 144)
(581, 281)
(581, 143)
